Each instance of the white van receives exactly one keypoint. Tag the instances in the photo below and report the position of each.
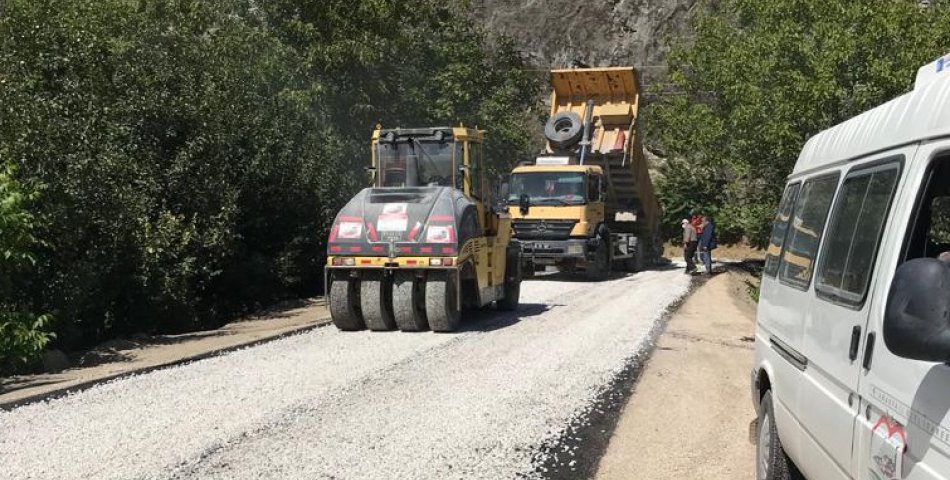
(851, 379)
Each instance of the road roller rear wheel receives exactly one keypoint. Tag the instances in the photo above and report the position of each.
(409, 305)
(345, 304)
(376, 301)
(442, 308)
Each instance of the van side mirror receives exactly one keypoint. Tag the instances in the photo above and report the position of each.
(503, 190)
(917, 315)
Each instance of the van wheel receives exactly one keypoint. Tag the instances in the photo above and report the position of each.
(771, 463)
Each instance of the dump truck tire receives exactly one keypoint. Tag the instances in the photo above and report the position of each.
(564, 129)
(376, 302)
(442, 310)
(409, 307)
(345, 304)
(599, 269)
(637, 262)
(513, 273)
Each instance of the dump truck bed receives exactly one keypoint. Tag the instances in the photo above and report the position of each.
(616, 144)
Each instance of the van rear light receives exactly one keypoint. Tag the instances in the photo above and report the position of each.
(336, 248)
(344, 261)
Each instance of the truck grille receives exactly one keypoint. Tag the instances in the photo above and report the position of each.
(543, 229)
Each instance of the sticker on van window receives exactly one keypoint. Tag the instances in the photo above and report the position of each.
(888, 444)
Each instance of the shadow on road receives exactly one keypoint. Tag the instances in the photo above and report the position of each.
(490, 319)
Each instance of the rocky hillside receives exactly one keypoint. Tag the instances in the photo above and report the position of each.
(552, 33)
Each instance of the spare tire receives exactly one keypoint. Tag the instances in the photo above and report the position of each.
(564, 130)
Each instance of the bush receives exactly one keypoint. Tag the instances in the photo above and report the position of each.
(23, 336)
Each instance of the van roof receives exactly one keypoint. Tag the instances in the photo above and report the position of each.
(919, 115)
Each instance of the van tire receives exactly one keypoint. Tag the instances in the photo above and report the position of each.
(564, 130)
(771, 463)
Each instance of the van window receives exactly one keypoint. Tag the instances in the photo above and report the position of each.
(779, 227)
(929, 236)
(855, 232)
(808, 222)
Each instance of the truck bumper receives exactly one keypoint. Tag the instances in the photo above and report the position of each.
(549, 252)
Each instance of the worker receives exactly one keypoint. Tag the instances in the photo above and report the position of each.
(689, 245)
(707, 243)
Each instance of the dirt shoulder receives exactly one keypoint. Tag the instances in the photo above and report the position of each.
(123, 357)
(690, 412)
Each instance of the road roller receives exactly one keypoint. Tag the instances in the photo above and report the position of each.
(427, 239)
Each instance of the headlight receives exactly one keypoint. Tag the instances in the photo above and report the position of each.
(575, 249)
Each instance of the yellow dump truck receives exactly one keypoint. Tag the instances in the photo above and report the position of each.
(588, 203)
(425, 240)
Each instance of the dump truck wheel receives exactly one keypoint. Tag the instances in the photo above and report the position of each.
(345, 304)
(636, 263)
(513, 273)
(640, 258)
(564, 129)
(409, 302)
(599, 269)
(376, 302)
(442, 302)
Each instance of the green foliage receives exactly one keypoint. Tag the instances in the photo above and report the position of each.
(193, 154)
(761, 76)
(22, 334)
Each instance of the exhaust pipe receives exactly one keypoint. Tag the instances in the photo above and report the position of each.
(585, 139)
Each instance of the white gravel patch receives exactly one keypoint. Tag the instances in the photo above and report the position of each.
(356, 405)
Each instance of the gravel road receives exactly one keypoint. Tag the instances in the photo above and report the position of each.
(483, 403)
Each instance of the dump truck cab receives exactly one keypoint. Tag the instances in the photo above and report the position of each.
(587, 202)
(422, 243)
(564, 205)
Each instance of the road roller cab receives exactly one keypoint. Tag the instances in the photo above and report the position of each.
(423, 242)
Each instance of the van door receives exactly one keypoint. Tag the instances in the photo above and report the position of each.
(839, 312)
(785, 315)
(777, 326)
(903, 427)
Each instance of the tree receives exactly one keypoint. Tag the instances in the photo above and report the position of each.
(193, 154)
(761, 77)
(23, 335)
